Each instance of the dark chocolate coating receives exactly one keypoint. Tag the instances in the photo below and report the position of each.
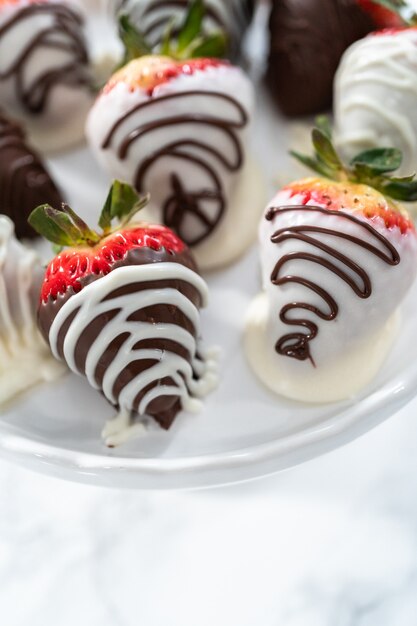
(165, 408)
(24, 181)
(308, 39)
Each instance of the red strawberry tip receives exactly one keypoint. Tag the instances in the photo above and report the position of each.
(67, 270)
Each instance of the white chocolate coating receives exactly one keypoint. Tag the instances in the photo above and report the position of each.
(192, 380)
(228, 243)
(348, 350)
(61, 123)
(25, 359)
(356, 369)
(375, 96)
(217, 149)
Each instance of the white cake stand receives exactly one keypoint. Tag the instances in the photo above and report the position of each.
(244, 431)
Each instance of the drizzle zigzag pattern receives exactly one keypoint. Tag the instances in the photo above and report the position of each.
(297, 344)
(184, 366)
(180, 203)
(62, 35)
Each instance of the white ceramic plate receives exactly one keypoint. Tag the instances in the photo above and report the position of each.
(244, 431)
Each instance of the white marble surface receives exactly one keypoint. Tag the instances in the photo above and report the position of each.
(330, 543)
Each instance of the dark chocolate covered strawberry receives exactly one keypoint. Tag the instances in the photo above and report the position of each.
(121, 307)
(24, 179)
(308, 38)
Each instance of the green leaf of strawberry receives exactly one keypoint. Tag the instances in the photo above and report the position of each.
(168, 38)
(65, 228)
(134, 42)
(213, 46)
(325, 151)
(380, 159)
(404, 191)
(371, 167)
(323, 124)
(183, 42)
(192, 26)
(122, 203)
(53, 225)
(312, 164)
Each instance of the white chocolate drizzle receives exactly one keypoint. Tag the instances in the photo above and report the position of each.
(193, 378)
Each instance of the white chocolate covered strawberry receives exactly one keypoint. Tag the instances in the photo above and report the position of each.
(45, 77)
(338, 257)
(25, 359)
(375, 95)
(178, 129)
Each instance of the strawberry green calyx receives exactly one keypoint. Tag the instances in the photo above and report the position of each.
(122, 204)
(372, 167)
(64, 228)
(401, 8)
(180, 42)
(134, 42)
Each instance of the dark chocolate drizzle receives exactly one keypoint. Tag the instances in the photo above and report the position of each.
(24, 181)
(165, 408)
(64, 34)
(182, 203)
(297, 344)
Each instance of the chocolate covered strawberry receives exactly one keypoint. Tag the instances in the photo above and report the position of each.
(374, 91)
(25, 360)
(45, 71)
(338, 257)
(121, 307)
(24, 179)
(308, 38)
(176, 125)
